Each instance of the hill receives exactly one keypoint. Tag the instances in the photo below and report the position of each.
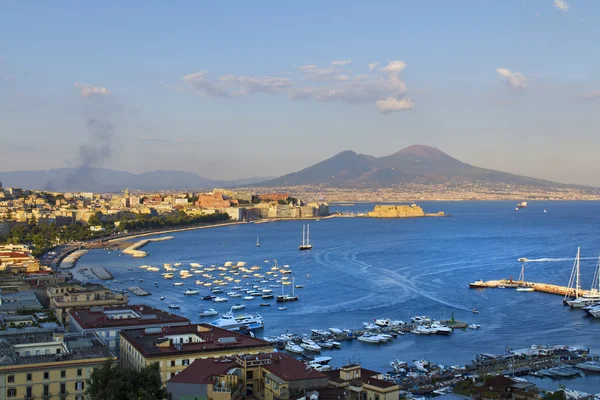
(107, 180)
(413, 164)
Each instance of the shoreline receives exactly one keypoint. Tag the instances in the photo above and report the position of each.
(187, 228)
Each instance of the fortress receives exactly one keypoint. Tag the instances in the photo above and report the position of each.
(401, 212)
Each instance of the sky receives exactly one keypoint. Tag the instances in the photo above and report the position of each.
(239, 89)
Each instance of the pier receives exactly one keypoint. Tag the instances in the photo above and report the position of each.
(536, 286)
(138, 291)
(102, 273)
(134, 248)
(71, 259)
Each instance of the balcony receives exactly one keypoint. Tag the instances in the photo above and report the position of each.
(355, 386)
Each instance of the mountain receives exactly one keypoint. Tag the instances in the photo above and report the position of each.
(107, 180)
(413, 164)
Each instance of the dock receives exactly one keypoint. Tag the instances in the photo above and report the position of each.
(138, 291)
(102, 273)
(71, 259)
(134, 248)
(537, 286)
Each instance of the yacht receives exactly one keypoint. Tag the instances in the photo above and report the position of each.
(209, 297)
(238, 307)
(293, 348)
(480, 284)
(190, 292)
(421, 365)
(441, 329)
(282, 308)
(265, 304)
(369, 326)
(230, 294)
(369, 338)
(209, 313)
(310, 345)
(176, 306)
(589, 366)
(525, 289)
(248, 321)
(287, 297)
(522, 285)
(305, 238)
(266, 296)
(219, 299)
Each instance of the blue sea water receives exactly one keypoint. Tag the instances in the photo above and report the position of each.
(362, 268)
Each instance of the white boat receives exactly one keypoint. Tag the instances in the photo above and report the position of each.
(248, 297)
(219, 299)
(305, 238)
(523, 259)
(336, 331)
(176, 306)
(545, 210)
(238, 307)
(421, 365)
(178, 284)
(257, 242)
(293, 348)
(441, 329)
(382, 322)
(369, 338)
(248, 321)
(282, 308)
(591, 298)
(319, 367)
(162, 297)
(233, 295)
(190, 292)
(321, 360)
(369, 326)
(209, 313)
(574, 285)
(309, 345)
(589, 366)
(335, 344)
(522, 285)
(525, 289)
(474, 326)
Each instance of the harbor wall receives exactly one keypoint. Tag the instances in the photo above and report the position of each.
(401, 211)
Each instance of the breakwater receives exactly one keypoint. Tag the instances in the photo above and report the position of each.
(70, 260)
(102, 273)
(134, 248)
(536, 286)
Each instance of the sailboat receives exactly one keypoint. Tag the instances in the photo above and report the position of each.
(286, 297)
(573, 286)
(593, 296)
(305, 238)
(522, 287)
(257, 242)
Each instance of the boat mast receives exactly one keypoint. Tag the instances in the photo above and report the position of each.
(596, 279)
(293, 286)
(307, 234)
(303, 234)
(571, 281)
(577, 285)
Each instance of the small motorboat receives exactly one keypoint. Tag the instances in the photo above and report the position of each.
(238, 307)
(293, 348)
(176, 306)
(208, 297)
(178, 284)
(219, 299)
(209, 313)
(248, 297)
(474, 326)
(475, 311)
(523, 259)
(282, 308)
(162, 297)
(190, 292)
(265, 304)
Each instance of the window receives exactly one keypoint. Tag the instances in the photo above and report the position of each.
(172, 363)
(46, 375)
(63, 373)
(172, 374)
(29, 377)
(11, 378)
(46, 390)
(185, 362)
(28, 392)
(63, 388)
(11, 393)
(79, 372)
(376, 397)
(249, 375)
(79, 385)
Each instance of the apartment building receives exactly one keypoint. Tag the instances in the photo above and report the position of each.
(363, 384)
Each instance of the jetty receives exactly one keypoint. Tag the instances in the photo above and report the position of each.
(134, 248)
(102, 273)
(536, 286)
(138, 291)
(70, 260)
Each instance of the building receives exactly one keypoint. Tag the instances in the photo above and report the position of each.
(176, 347)
(16, 301)
(268, 376)
(213, 200)
(502, 387)
(65, 297)
(106, 323)
(273, 196)
(281, 211)
(18, 261)
(235, 213)
(48, 366)
(363, 384)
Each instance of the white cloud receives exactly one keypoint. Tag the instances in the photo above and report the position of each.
(562, 5)
(232, 85)
(394, 67)
(514, 80)
(199, 81)
(340, 63)
(390, 105)
(91, 90)
(307, 66)
(373, 65)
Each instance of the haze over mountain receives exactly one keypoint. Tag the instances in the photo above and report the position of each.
(107, 180)
(413, 164)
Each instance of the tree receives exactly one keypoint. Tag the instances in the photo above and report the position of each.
(113, 382)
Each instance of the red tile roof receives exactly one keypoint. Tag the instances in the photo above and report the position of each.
(202, 370)
(95, 318)
(290, 369)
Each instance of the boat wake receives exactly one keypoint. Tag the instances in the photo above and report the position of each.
(559, 259)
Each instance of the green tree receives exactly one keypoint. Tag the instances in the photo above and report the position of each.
(113, 382)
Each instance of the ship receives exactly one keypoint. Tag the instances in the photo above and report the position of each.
(305, 238)
(522, 204)
(241, 322)
(287, 297)
(480, 284)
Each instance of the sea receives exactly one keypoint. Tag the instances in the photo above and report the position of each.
(361, 269)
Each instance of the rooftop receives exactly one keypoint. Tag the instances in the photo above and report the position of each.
(367, 377)
(19, 300)
(188, 339)
(41, 347)
(129, 316)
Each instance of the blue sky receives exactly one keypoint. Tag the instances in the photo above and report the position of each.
(243, 89)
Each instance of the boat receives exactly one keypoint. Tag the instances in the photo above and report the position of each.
(293, 348)
(480, 284)
(219, 299)
(475, 311)
(287, 297)
(523, 259)
(516, 208)
(234, 295)
(310, 345)
(282, 308)
(208, 297)
(336, 345)
(257, 242)
(545, 211)
(305, 238)
(190, 292)
(248, 297)
(267, 296)
(421, 365)
(248, 321)
(162, 297)
(178, 284)
(369, 326)
(474, 326)
(369, 338)
(336, 331)
(176, 306)
(522, 204)
(321, 360)
(521, 285)
(209, 313)
(589, 366)
(265, 304)
(593, 296)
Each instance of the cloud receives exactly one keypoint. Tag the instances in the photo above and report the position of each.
(174, 88)
(514, 80)
(153, 139)
(595, 95)
(340, 63)
(394, 67)
(390, 105)
(199, 81)
(562, 5)
(244, 85)
(373, 66)
(91, 90)
(307, 66)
